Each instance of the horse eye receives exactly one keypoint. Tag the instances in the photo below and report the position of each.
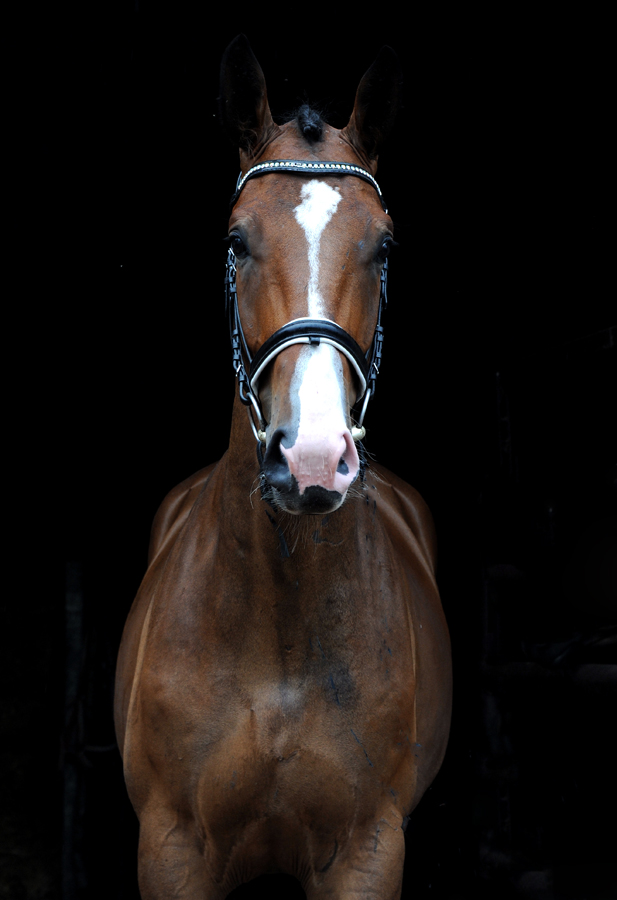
(237, 245)
(385, 248)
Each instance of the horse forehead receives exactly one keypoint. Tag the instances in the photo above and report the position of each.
(319, 202)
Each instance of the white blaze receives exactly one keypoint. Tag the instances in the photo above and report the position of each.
(320, 391)
(319, 202)
(320, 442)
(318, 381)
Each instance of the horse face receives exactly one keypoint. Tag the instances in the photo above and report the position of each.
(309, 247)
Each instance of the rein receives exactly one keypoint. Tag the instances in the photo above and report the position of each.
(302, 330)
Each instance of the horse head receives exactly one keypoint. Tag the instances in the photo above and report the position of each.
(307, 248)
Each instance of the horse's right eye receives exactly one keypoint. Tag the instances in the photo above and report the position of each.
(238, 246)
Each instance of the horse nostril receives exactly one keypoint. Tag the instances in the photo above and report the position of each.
(275, 466)
(342, 468)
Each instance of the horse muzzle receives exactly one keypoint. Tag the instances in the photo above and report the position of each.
(313, 475)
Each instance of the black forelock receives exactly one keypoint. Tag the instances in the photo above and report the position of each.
(310, 123)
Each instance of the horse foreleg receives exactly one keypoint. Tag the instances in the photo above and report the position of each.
(171, 863)
(371, 867)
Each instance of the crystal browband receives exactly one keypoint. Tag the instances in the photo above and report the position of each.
(305, 168)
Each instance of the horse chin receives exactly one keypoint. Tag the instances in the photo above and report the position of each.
(313, 501)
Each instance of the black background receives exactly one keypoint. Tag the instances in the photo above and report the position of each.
(496, 401)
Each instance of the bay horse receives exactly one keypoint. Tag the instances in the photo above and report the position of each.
(283, 688)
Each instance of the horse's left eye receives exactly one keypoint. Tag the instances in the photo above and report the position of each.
(385, 248)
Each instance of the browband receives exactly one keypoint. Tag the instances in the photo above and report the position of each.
(307, 168)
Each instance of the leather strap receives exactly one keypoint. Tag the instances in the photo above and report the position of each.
(306, 167)
(311, 331)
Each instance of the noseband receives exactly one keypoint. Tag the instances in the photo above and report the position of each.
(303, 330)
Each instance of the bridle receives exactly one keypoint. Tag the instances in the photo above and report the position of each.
(303, 330)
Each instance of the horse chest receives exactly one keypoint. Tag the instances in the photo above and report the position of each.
(306, 748)
(312, 707)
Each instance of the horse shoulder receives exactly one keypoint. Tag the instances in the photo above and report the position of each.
(409, 524)
(404, 511)
(167, 525)
(174, 511)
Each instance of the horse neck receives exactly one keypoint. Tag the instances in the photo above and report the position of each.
(241, 467)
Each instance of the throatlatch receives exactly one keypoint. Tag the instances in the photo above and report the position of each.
(303, 330)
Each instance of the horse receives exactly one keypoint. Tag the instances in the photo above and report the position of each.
(283, 688)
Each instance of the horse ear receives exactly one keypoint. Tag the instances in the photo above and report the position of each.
(377, 102)
(243, 100)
